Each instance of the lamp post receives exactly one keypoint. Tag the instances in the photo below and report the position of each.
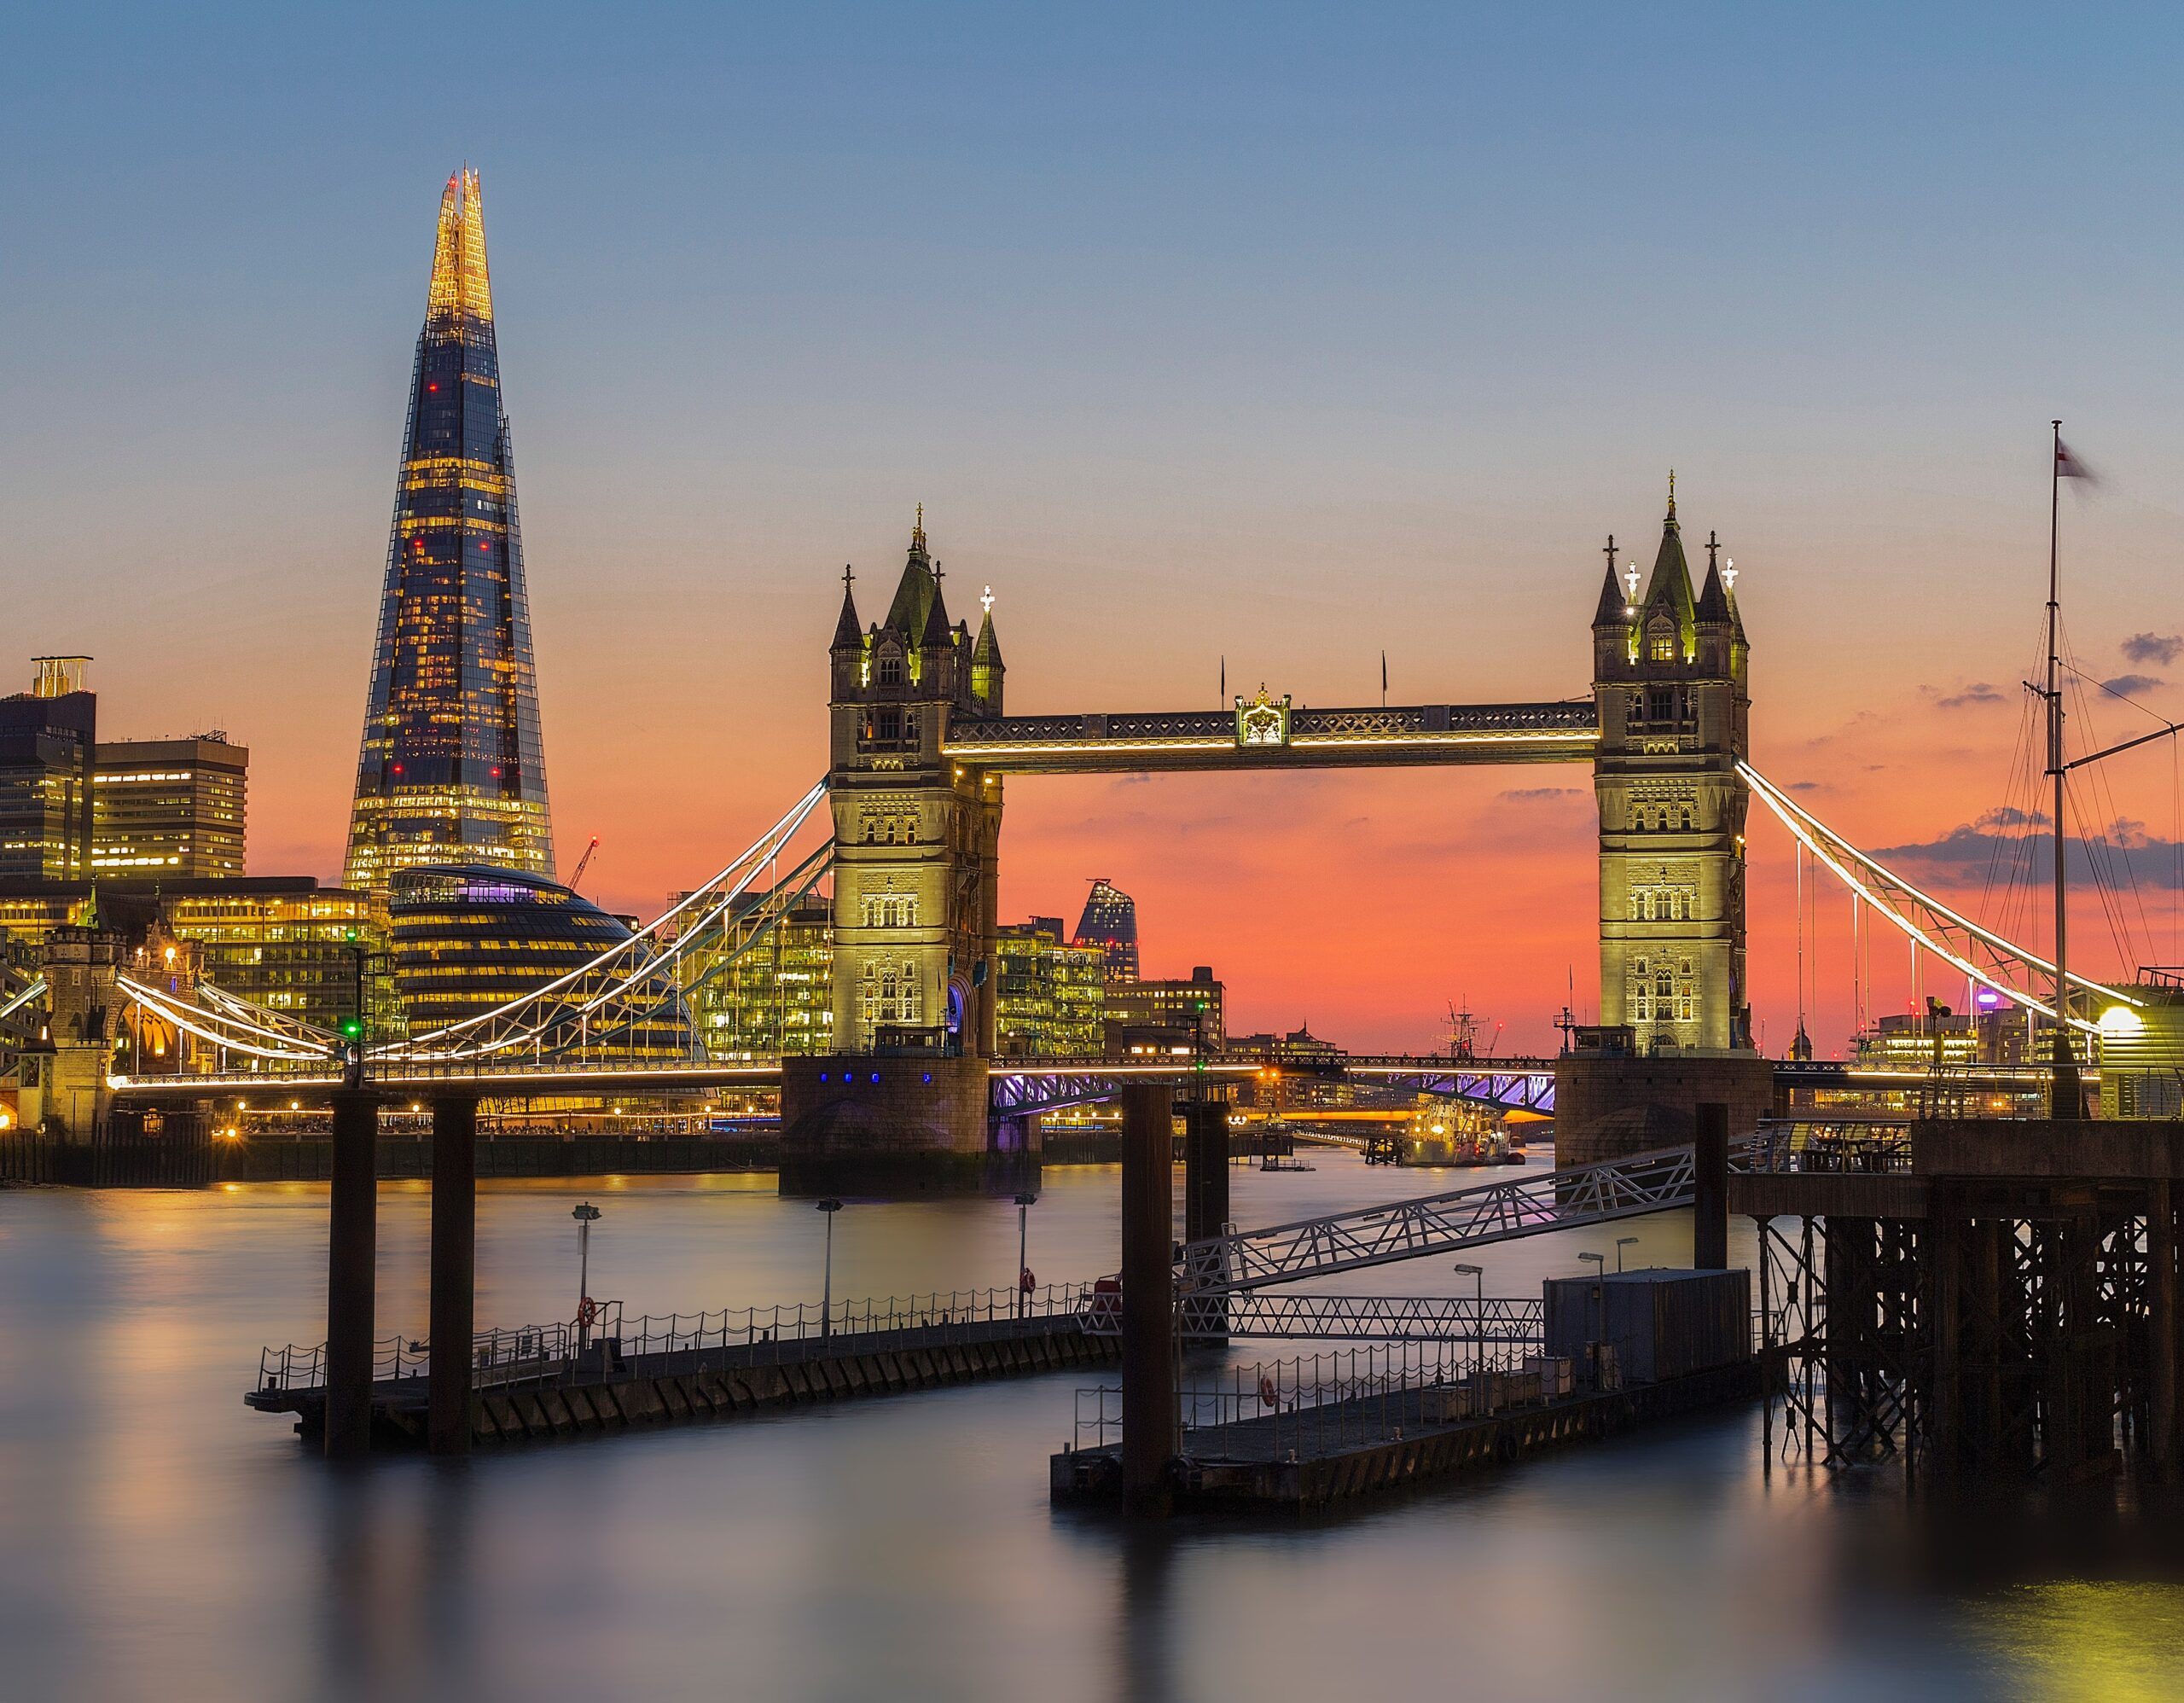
(586, 1215)
(1599, 1262)
(1025, 1202)
(1477, 1274)
(830, 1206)
(1622, 1243)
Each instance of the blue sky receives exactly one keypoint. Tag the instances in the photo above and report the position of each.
(1280, 335)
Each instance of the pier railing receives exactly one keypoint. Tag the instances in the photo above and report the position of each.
(1315, 1403)
(564, 1352)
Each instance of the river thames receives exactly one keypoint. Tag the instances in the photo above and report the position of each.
(158, 1540)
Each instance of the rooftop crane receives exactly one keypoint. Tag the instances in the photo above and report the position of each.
(583, 863)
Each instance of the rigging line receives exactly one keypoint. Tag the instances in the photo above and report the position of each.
(2099, 857)
(2092, 680)
(2111, 813)
(1795, 816)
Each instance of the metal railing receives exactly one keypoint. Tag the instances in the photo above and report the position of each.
(1312, 1403)
(561, 1352)
(1818, 1146)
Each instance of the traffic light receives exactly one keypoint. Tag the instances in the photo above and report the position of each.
(352, 1028)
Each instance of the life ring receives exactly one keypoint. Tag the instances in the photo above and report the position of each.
(1269, 1396)
(1025, 1280)
(587, 1313)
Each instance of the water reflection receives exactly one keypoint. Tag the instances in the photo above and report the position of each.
(157, 1539)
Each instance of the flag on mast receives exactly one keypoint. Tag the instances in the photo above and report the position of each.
(2069, 466)
(1384, 679)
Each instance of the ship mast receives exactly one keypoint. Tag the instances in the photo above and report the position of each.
(2065, 1100)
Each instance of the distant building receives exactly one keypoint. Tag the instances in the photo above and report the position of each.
(1993, 1034)
(1109, 923)
(48, 736)
(757, 997)
(1297, 1046)
(469, 937)
(2142, 1050)
(168, 807)
(450, 770)
(1051, 1000)
(1165, 1016)
(280, 941)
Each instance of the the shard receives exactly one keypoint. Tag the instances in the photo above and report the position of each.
(451, 769)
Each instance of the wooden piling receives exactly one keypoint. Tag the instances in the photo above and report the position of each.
(1710, 1193)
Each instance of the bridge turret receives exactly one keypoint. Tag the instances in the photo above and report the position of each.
(1670, 691)
(917, 836)
(987, 669)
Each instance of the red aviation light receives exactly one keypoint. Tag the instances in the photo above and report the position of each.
(434, 385)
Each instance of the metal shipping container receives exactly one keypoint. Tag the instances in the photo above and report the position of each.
(1662, 1322)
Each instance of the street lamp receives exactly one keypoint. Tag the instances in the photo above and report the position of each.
(830, 1206)
(586, 1215)
(1599, 1263)
(1477, 1274)
(1025, 1202)
(1622, 1243)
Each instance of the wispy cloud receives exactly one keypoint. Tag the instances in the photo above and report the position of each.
(1978, 692)
(1525, 795)
(2157, 648)
(2009, 843)
(2133, 685)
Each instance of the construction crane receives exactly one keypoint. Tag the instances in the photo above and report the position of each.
(583, 863)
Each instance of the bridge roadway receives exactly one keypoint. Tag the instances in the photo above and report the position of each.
(1020, 1085)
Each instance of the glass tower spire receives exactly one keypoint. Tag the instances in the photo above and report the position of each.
(451, 770)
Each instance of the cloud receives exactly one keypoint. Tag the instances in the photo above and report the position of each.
(2012, 845)
(1525, 795)
(2163, 648)
(1978, 692)
(1803, 786)
(2133, 685)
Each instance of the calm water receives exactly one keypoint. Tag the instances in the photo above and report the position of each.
(158, 1540)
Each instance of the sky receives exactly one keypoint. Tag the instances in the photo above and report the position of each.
(1253, 337)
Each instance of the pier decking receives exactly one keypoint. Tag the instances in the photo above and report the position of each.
(557, 1381)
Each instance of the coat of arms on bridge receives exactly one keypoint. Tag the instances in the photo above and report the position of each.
(1263, 721)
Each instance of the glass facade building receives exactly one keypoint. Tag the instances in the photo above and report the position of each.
(469, 938)
(1164, 1016)
(760, 997)
(168, 807)
(1110, 923)
(451, 768)
(46, 738)
(1051, 1000)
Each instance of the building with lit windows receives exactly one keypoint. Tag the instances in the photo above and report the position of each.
(1165, 1015)
(469, 937)
(48, 736)
(168, 807)
(757, 995)
(1051, 1000)
(280, 941)
(1109, 922)
(450, 769)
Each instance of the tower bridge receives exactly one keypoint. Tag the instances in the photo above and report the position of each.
(921, 746)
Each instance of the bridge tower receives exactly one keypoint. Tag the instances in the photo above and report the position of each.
(1669, 683)
(916, 837)
(902, 1099)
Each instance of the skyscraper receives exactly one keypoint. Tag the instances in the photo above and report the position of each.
(1110, 923)
(451, 769)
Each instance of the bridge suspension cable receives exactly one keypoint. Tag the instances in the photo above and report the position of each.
(629, 980)
(1980, 953)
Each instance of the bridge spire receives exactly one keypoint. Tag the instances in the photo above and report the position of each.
(1612, 610)
(849, 631)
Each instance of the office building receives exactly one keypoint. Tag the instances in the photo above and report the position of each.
(755, 996)
(1164, 1016)
(48, 737)
(1109, 922)
(450, 769)
(469, 937)
(1050, 1002)
(168, 807)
